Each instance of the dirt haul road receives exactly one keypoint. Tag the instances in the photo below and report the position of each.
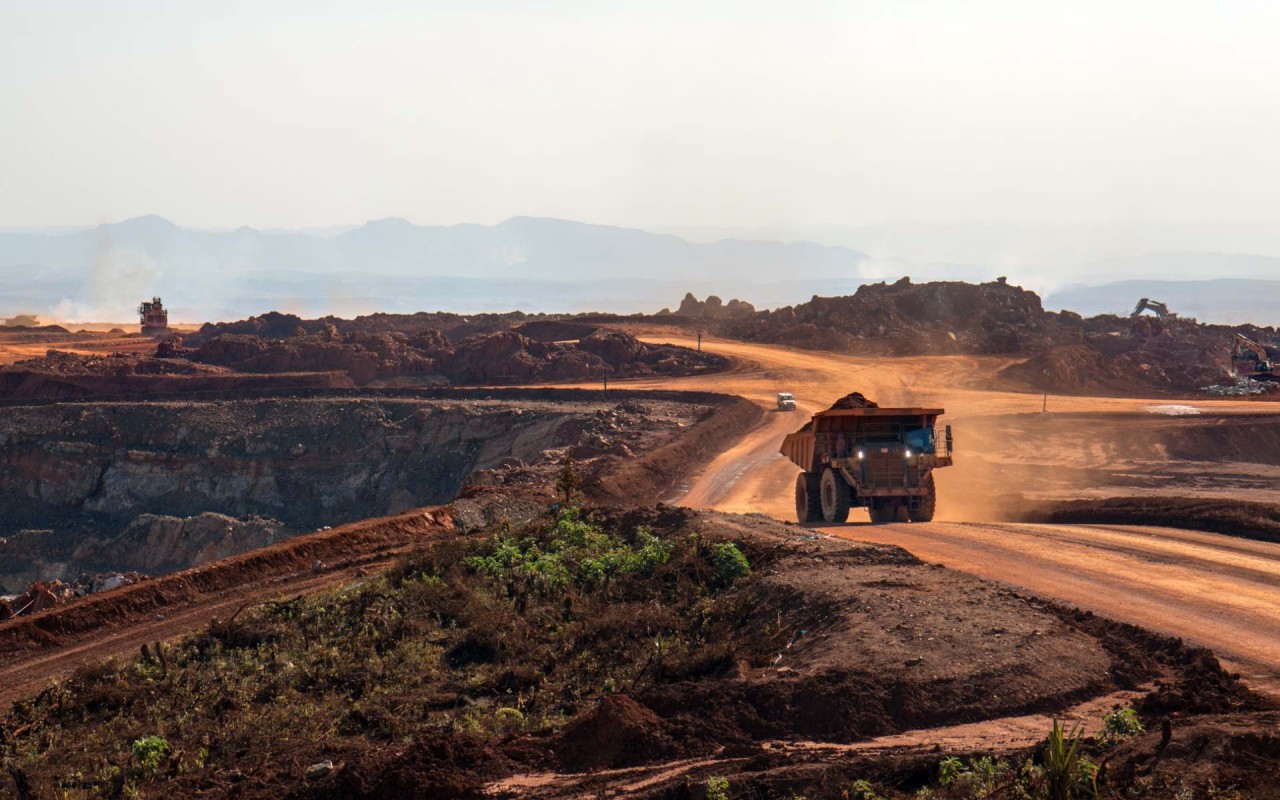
(1218, 591)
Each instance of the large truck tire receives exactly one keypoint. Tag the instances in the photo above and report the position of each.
(808, 497)
(928, 502)
(837, 496)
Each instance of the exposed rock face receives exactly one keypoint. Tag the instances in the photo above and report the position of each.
(305, 462)
(157, 544)
(156, 487)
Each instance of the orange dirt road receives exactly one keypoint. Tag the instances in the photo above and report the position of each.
(1218, 591)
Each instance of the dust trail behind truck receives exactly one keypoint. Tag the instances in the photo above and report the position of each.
(881, 459)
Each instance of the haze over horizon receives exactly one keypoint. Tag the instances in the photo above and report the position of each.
(1058, 145)
(1143, 125)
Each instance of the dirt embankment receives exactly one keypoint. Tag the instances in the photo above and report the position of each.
(1234, 518)
(100, 615)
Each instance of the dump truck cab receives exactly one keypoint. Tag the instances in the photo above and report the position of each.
(786, 402)
(881, 459)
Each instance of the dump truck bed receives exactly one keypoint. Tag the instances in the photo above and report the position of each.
(856, 424)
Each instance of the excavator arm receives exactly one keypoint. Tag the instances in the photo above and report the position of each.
(1146, 304)
(1243, 344)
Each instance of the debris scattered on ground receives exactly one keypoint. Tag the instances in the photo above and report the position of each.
(1243, 387)
(42, 595)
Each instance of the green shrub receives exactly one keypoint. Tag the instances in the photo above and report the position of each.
(1119, 725)
(862, 790)
(730, 563)
(717, 789)
(573, 552)
(148, 751)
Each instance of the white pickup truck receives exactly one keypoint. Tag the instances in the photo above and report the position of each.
(786, 402)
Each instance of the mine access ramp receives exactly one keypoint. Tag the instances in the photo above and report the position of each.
(881, 459)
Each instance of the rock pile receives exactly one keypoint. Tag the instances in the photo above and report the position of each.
(1243, 387)
(713, 308)
(1067, 353)
(501, 357)
(42, 595)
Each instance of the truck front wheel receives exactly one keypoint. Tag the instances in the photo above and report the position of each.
(928, 502)
(808, 497)
(837, 496)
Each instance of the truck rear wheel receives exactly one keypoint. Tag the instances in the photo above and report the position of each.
(837, 496)
(808, 497)
(928, 502)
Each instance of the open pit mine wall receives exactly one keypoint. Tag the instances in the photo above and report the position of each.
(86, 471)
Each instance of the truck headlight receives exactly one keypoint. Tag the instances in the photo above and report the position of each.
(908, 454)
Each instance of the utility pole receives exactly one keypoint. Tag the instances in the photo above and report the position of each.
(699, 341)
(606, 384)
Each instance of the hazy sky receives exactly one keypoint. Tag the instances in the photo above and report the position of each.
(284, 114)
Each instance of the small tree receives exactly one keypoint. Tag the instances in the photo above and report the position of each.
(567, 480)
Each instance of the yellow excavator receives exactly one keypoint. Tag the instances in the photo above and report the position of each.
(1252, 360)
(1155, 306)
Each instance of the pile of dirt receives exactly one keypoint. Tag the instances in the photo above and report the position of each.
(33, 328)
(62, 375)
(849, 401)
(905, 318)
(500, 357)
(1067, 354)
(1110, 354)
(274, 325)
(618, 732)
(555, 330)
(62, 363)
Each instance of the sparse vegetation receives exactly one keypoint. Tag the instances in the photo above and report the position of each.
(718, 789)
(575, 554)
(731, 563)
(567, 481)
(1119, 725)
(482, 637)
(148, 751)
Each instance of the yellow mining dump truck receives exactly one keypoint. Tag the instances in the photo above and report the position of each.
(881, 459)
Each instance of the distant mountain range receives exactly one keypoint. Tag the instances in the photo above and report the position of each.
(394, 265)
(525, 263)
